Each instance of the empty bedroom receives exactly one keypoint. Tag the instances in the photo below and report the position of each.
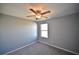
(39, 28)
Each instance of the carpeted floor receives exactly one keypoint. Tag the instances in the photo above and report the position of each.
(40, 49)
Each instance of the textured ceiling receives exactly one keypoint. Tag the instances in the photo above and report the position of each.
(22, 9)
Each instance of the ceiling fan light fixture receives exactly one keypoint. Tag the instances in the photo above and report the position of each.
(38, 16)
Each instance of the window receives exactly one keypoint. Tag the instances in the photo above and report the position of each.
(44, 30)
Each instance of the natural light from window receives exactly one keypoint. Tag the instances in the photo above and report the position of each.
(44, 30)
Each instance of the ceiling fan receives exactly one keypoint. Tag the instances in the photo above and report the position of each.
(38, 14)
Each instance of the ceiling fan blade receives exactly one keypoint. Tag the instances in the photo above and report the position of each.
(33, 11)
(30, 16)
(45, 12)
(44, 17)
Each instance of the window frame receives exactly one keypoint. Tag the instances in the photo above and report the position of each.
(44, 30)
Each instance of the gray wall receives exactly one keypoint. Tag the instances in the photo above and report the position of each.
(15, 32)
(63, 32)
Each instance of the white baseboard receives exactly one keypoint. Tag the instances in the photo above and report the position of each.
(60, 48)
(19, 48)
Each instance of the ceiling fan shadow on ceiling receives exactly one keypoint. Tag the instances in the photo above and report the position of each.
(38, 14)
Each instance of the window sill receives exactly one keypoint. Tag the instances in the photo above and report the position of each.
(44, 38)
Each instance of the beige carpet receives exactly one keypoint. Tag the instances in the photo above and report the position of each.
(40, 49)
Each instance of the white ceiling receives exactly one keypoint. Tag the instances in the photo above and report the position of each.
(22, 9)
